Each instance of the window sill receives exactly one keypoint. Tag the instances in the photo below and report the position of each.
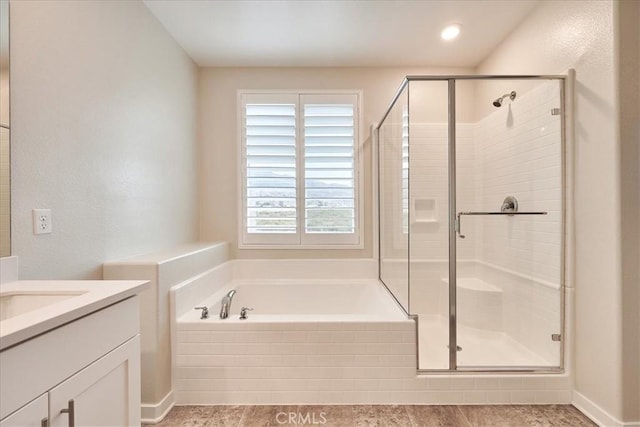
(302, 247)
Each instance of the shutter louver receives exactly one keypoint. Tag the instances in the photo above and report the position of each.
(270, 131)
(329, 186)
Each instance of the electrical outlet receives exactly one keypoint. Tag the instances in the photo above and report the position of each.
(42, 221)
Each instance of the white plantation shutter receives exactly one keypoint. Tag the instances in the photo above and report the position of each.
(299, 169)
(270, 167)
(329, 166)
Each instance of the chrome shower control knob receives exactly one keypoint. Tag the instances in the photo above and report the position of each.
(509, 205)
(243, 312)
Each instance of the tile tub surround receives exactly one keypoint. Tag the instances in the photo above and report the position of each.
(375, 415)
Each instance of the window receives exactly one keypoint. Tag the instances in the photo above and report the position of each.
(299, 169)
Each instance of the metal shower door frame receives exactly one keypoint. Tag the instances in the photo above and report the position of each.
(451, 90)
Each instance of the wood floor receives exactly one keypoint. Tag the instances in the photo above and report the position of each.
(376, 415)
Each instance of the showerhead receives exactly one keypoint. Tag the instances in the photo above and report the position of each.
(498, 102)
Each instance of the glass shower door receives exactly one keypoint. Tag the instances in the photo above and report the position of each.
(509, 226)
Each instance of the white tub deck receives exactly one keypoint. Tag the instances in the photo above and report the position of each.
(302, 301)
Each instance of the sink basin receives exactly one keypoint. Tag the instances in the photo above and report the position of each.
(16, 303)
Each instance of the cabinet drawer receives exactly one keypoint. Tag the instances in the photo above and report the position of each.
(38, 365)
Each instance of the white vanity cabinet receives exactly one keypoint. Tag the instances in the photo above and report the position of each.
(34, 414)
(105, 393)
(83, 373)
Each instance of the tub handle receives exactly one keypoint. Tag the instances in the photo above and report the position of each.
(205, 312)
(243, 312)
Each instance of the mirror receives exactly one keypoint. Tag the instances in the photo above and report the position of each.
(5, 171)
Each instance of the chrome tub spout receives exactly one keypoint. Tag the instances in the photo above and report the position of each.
(226, 304)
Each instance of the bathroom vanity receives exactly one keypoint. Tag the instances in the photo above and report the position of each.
(70, 353)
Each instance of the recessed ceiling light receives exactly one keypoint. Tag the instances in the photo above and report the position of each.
(450, 32)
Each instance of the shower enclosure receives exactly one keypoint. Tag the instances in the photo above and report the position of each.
(471, 219)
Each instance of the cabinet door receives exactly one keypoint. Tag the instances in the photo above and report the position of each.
(105, 393)
(33, 414)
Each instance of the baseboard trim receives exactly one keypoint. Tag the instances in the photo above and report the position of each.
(153, 414)
(597, 414)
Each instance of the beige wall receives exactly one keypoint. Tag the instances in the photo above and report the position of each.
(580, 34)
(628, 45)
(4, 62)
(219, 140)
(4, 94)
(5, 194)
(103, 133)
(5, 170)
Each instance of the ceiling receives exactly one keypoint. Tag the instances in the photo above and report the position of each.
(323, 33)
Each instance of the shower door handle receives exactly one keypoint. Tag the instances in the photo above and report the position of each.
(457, 226)
(459, 215)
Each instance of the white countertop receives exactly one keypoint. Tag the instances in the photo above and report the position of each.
(93, 295)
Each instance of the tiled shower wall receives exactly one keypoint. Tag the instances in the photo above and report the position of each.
(513, 151)
(518, 153)
(429, 183)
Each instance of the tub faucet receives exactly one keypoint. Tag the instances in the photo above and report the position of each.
(226, 304)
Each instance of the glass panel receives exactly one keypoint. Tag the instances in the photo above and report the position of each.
(428, 223)
(393, 193)
(509, 266)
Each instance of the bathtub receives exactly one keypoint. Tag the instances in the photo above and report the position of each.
(300, 301)
(311, 338)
